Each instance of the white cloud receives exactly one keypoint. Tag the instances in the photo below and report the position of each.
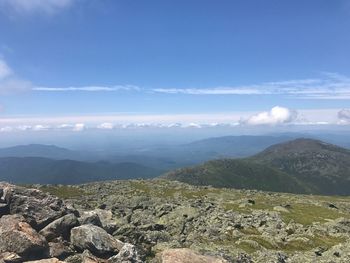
(65, 126)
(24, 127)
(192, 125)
(277, 115)
(40, 127)
(106, 126)
(36, 6)
(344, 116)
(6, 129)
(79, 127)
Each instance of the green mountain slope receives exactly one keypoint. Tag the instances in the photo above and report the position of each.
(323, 167)
(298, 166)
(239, 174)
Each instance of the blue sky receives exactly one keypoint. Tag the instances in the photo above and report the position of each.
(111, 62)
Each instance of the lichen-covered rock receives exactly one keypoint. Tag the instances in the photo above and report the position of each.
(19, 237)
(38, 208)
(95, 239)
(185, 255)
(90, 217)
(128, 254)
(60, 227)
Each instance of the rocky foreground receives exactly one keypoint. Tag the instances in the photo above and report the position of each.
(165, 221)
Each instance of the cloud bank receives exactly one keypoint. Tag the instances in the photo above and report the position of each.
(277, 115)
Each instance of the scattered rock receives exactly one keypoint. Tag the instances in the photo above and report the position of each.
(19, 237)
(128, 254)
(332, 206)
(60, 227)
(96, 240)
(185, 255)
(49, 260)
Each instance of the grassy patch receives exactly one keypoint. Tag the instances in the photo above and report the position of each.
(250, 231)
(263, 242)
(64, 192)
(247, 247)
(325, 242)
(306, 214)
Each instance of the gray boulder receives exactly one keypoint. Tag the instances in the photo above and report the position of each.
(90, 217)
(96, 240)
(19, 237)
(60, 227)
(38, 208)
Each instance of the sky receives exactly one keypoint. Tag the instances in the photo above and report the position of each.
(111, 64)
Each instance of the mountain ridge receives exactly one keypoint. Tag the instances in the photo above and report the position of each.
(318, 167)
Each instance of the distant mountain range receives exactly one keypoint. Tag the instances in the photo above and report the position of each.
(40, 150)
(32, 170)
(297, 166)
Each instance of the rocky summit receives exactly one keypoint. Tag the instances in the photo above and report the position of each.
(171, 222)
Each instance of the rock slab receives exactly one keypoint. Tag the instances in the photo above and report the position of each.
(96, 240)
(19, 237)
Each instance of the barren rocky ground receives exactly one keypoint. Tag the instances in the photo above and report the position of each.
(233, 225)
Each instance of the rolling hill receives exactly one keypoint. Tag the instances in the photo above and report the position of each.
(298, 166)
(32, 170)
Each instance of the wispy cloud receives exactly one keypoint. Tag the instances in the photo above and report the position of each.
(5, 70)
(89, 88)
(48, 7)
(330, 86)
(9, 82)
